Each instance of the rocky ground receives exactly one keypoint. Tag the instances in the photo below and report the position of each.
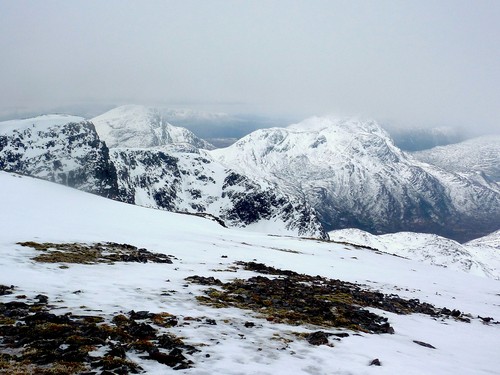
(36, 339)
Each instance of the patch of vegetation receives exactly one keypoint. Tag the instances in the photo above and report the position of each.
(297, 299)
(36, 341)
(107, 252)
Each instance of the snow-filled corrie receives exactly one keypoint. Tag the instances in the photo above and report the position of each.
(226, 340)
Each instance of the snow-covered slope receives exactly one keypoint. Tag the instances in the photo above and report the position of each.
(354, 176)
(190, 182)
(40, 122)
(429, 248)
(174, 177)
(486, 249)
(135, 126)
(230, 340)
(59, 148)
(492, 241)
(475, 156)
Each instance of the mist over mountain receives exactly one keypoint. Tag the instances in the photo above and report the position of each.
(417, 139)
(223, 128)
(321, 174)
(150, 163)
(249, 187)
(354, 175)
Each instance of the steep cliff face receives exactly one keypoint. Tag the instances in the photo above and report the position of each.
(58, 149)
(351, 172)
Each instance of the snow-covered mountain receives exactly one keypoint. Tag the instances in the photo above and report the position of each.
(190, 182)
(354, 176)
(58, 148)
(477, 156)
(135, 126)
(66, 308)
(173, 177)
(474, 257)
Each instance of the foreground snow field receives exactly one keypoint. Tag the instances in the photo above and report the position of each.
(34, 210)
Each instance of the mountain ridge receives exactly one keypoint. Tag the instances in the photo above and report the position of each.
(354, 176)
(172, 177)
(346, 172)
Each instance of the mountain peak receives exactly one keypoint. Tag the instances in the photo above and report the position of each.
(136, 126)
(354, 175)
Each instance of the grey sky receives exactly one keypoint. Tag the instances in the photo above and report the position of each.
(408, 62)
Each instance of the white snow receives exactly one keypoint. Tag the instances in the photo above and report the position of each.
(36, 210)
(473, 156)
(478, 257)
(39, 122)
(136, 126)
(352, 168)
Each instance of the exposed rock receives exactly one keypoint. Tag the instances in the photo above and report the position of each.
(375, 362)
(295, 299)
(485, 319)
(70, 154)
(4, 289)
(42, 299)
(424, 344)
(318, 338)
(47, 343)
(203, 280)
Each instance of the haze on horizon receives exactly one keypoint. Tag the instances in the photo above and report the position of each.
(410, 63)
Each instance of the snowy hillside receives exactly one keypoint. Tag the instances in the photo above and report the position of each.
(354, 176)
(492, 241)
(190, 182)
(486, 249)
(39, 123)
(475, 156)
(93, 305)
(172, 177)
(472, 257)
(137, 126)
